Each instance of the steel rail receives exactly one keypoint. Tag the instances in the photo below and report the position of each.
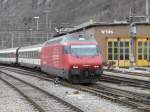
(126, 81)
(40, 109)
(107, 94)
(46, 93)
(129, 73)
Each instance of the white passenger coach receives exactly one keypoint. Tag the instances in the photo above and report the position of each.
(8, 56)
(29, 56)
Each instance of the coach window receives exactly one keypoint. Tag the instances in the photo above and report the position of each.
(36, 55)
(33, 54)
(30, 54)
(24, 55)
(21, 54)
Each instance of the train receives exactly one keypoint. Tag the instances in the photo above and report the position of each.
(73, 57)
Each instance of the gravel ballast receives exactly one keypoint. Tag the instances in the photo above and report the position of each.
(12, 101)
(85, 101)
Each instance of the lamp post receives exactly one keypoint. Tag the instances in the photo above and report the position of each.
(37, 22)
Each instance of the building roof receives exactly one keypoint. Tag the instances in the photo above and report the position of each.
(92, 23)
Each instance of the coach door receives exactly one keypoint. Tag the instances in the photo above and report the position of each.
(118, 51)
(143, 52)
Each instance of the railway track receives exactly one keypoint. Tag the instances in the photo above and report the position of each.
(105, 78)
(138, 101)
(125, 81)
(129, 73)
(39, 98)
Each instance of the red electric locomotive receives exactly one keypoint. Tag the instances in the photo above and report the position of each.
(74, 57)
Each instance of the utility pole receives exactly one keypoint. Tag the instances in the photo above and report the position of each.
(133, 32)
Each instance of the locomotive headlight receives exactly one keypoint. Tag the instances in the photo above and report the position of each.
(75, 66)
(96, 66)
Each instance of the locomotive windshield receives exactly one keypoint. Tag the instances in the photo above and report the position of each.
(84, 50)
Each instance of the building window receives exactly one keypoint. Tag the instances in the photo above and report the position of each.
(118, 50)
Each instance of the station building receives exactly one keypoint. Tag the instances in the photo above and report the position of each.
(115, 42)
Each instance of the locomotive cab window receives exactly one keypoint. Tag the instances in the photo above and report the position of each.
(84, 50)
